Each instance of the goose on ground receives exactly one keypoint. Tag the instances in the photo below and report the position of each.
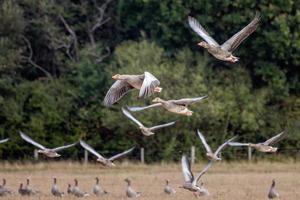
(77, 192)
(55, 190)
(130, 192)
(70, 189)
(209, 153)
(265, 146)
(168, 189)
(179, 106)
(22, 191)
(101, 159)
(191, 182)
(272, 191)
(146, 83)
(145, 130)
(97, 189)
(48, 152)
(224, 51)
(4, 140)
(3, 190)
(30, 191)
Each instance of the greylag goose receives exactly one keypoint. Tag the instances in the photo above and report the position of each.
(70, 189)
(77, 192)
(101, 159)
(265, 146)
(146, 83)
(29, 189)
(22, 191)
(209, 153)
(4, 140)
(191, 182)
(43, 150)
(131, 193)
(272, 191)
(3, 190)
(179, 106)
(168, 189)
(145, 130)
(55, 190)
(224, 51)
(97, 189)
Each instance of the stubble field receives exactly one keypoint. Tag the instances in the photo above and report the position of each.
(225, 181)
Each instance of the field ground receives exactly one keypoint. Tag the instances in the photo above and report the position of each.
(225, 181)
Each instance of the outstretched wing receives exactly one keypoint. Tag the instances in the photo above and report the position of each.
(153, 128)
(188, 101)
(135, 108)
(202, 138)
(209, 164)
(116, 92)
(275, 139)
(4, 140)
(91, 150)
(120, 155)
(196, 26)
(64, 147)
(128, 114)
(186, 169)
(224, 145)
(29, 140)
(238, 144)
(231, 44)
(148, 86)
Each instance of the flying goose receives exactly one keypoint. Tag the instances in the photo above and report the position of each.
(3, 190)
(209, 153)
(97, 189)
(146, 83)
(179, 106)
(129, 191)
(48, 152)
(145, 130)
(55, 190)
(77, 192)
(105, 161)
(272, 191)
(4, 140)
(224, 51)
(265, 146)
(168, 189)
(191, 182)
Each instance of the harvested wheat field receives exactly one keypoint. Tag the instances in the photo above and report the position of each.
(225, 181)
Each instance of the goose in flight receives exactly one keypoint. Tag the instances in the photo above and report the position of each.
(209, 153)
(179, 106)
(145, 130)
(101, 159)
(191, 182)
(130, 192)
(265, 146)
(146, 83)
(272, 191)
(52, 153)
(224, 51)
(4, 140)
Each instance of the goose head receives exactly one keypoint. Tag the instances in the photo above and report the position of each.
(203, 44)
(54, 180)
(167, 181)
(117, 77)
(127, 181)
(76, 182)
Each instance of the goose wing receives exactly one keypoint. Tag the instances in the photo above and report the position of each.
(135, 108)
(4, 140)
(64, 147)
(238, 144)
(120, 155)
(128, 114)
(148, 86)
(116, 92)
(31, 141)
(220, 148)
(153, 128)
(275, 139)
(196, 26)
(202, 138)
(91, 150)
(188, 101)
(186, 169)
(232, 43)
(204, 170)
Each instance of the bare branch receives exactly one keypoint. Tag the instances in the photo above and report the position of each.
(99, 59)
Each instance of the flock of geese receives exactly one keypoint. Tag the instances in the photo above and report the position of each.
(148, 84)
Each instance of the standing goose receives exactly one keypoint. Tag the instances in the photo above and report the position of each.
(191, 182)
(77, 192)
(22, 191)
(70, 189)
(224, 51)
(29, 189)
(209, 153)
(97, 189)
(131, 193)
(179, 106)
(3, 190)
(146, 83)
(54, 189)
(4, 140)
(265, 146)
(146, 131)
(101, 159)
(272, 191)
(168, 189)
(48, 152)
